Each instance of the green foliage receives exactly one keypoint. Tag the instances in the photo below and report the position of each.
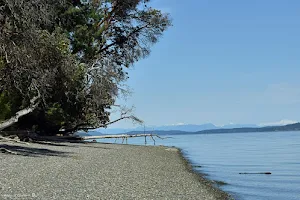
(55, 114)
(5, 110)
(72, 55)
(10, 103)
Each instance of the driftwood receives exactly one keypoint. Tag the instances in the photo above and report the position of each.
(124, 137)
(36, 138)
(25, 136)
(257, 173)
(3, 150)
(7, 139)
(11, 139)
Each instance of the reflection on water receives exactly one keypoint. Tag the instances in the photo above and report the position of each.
(224, 156)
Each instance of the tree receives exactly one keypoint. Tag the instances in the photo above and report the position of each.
(70, 58)
(31, 56)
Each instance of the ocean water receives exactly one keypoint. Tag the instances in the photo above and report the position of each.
(223, 156)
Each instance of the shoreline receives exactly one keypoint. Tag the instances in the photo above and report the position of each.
(101, 171)
(201, 176)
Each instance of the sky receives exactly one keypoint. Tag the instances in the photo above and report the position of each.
(221, 62)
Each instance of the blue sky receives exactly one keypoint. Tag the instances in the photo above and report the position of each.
(221, 62)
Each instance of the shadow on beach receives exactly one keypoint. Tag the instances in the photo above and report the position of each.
(32, 151)
(74, 144)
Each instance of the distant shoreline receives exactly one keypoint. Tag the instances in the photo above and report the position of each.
(290, 127)
(286, 128)
(105, 171)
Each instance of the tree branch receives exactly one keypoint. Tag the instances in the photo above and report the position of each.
(81, 126)
(112, 122)
(114, 43)
(109, 16)
(21, 113)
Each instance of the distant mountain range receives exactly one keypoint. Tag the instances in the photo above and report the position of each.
(239, 126)
(290, 127)
(176, 128)
(197, 129)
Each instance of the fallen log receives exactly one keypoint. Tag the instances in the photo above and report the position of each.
(256, 173)
(7, 139)
(124, 137)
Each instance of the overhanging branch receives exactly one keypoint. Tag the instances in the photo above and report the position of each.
(84, 126)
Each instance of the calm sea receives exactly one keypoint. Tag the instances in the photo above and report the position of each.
(223, 156)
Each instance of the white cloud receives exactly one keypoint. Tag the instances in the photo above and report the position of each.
(178, 124)
(280, 123)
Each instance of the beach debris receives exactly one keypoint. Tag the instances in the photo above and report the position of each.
(4, 150)
(197, 166)
(172, 149)
(256, 173)
(8, 139)
(125, 137)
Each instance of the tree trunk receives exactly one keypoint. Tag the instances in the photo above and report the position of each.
(21, 113)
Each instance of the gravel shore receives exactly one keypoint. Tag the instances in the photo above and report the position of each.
(99, 171)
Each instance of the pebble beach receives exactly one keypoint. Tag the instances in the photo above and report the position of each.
(99, 171)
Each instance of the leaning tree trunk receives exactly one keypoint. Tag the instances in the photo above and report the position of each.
(33, 105)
